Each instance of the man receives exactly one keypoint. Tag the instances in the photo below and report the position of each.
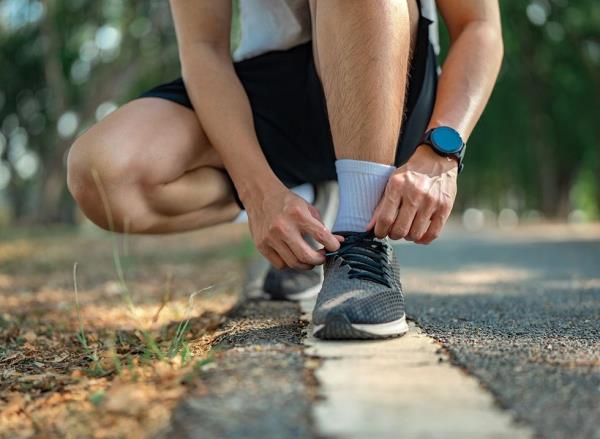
(315, 91)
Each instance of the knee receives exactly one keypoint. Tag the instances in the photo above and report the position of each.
(102, 182)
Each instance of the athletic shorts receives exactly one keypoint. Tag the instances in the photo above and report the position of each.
(290, 114)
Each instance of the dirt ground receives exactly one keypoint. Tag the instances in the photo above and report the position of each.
(102, 335)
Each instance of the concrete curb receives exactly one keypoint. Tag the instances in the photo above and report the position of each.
(404, 387)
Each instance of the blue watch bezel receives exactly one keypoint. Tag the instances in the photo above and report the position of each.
(440, 138)
(458, 152)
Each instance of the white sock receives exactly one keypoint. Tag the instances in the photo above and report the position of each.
(361, 186)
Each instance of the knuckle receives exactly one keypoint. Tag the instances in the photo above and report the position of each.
(277, 227)
(321, 236)
(380, 232)
(296, 211)
(429, 198)
(401, 231)
(398, 179)
(320, 231)
(387, 220)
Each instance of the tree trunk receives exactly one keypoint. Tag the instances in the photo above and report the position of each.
(53, 176)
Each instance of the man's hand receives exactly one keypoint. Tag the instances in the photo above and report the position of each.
(418, 198)
(279, 220)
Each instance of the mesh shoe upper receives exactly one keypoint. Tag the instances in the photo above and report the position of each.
(281, 284)
(362, 282)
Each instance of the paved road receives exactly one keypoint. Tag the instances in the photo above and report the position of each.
(517, 310)
(521, 312)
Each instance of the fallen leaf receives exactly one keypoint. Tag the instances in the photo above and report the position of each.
(30, 336)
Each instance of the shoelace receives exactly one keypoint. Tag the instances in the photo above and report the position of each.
(366, 257)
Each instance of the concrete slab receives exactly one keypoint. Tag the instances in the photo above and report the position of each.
(403, 387)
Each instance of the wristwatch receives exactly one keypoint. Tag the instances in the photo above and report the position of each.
(446, 142)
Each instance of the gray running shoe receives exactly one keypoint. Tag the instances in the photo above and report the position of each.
(361, 297)
(291, 284)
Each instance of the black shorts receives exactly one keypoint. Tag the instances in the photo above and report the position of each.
(289, 110)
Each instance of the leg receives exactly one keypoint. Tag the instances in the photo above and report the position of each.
(362, 54)
(156, 167)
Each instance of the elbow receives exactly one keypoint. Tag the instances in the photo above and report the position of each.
(491, 35)
(488, 35)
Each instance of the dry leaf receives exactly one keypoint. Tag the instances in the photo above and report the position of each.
(30, 336)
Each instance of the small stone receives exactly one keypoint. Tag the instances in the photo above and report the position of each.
(30, 336)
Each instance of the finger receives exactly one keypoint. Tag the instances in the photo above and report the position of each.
(321, 234)
(419, 225)
(372, 222)
(404, 221)
(434, 230)
(273, 258)
(386, 212)
(315, 212)
(317, 215)
(422, 219)
(302, 251)
(289, 258)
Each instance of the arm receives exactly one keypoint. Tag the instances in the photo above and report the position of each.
(472, 65)
(278, 218)
(219, 100)
(421, 193)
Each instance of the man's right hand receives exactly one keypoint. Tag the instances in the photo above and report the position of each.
(279, 220)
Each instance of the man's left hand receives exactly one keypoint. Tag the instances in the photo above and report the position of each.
(418, 198)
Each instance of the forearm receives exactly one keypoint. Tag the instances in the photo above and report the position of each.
(468, 77)
(224, 111)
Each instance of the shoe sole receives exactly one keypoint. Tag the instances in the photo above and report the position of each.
(339, 327)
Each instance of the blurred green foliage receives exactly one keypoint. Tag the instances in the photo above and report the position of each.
(537, 145)
(66, 63)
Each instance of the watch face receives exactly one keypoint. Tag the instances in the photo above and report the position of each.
(446, 140)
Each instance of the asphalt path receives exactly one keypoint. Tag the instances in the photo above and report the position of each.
(519, 310)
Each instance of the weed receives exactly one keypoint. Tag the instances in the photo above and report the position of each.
(97, 397)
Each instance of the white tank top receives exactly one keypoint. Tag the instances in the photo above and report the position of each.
(267, 25)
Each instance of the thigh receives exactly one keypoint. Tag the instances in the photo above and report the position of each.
(149, 139)
(156, 167)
